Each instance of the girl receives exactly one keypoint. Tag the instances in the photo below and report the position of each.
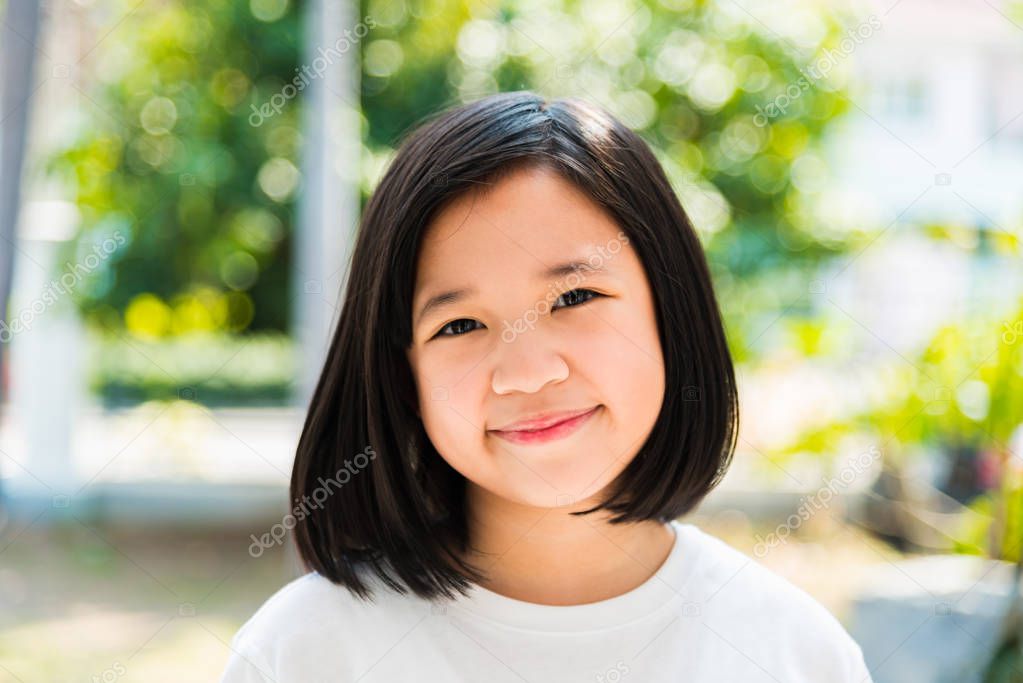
(529, 384)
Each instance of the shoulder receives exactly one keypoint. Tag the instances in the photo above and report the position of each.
(313, 604)
(310, 597)
(728, 577)
(746, 599)
(302, 623)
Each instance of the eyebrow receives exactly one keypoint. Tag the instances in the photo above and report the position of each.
(559, 270)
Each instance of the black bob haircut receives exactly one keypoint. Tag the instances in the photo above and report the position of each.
(400, 511)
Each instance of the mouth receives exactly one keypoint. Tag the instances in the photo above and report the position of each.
(563, 427)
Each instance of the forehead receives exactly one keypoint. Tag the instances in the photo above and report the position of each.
(529, 219)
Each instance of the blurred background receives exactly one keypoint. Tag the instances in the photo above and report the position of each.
(180, 183)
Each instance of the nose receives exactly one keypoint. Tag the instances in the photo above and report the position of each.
(527, 365)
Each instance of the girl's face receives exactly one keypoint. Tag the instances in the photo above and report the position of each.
(513, 339)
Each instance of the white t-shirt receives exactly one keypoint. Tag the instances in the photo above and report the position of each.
(709, 613)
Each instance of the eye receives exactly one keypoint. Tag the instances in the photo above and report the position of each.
(577, 297)
(459, 326)
(573, 298)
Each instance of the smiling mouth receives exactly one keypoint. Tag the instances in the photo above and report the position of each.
(558, 430)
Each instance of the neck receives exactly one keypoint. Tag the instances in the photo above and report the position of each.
(550, 557)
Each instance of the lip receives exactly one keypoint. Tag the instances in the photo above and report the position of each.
(546, 427)
(542, 420)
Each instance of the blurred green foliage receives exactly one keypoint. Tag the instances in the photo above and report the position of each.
(167, 154)
(212, 369)
(690, 76)
(960, 401)
(965, 389)
(164, 158)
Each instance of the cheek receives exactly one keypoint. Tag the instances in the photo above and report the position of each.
(631, 380)
(625, 357)
(441, 372)
(622, 344)
(450, 429)
(446, 364)
(450, 394)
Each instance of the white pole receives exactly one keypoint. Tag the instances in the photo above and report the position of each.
(46, 355)
(19, 32)
(329, 200)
